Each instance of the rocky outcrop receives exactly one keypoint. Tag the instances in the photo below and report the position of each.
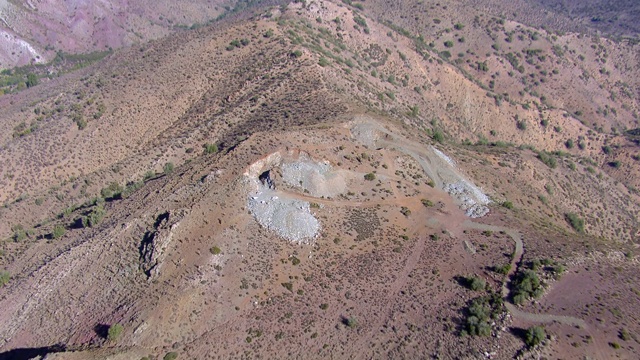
(155, 243)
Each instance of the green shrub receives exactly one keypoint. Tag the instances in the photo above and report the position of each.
(114, 190)
(323, 62)
(19, 233)
(474, 283)
(501, 269)
(526, 285)
(94, 217)
(352, 322)
(114, 332)
(479, 312)
(508, 205)
(210, 148)
(370, 176)
(438, 136)
(427, 203)
(168, 168)
(448, 43)
(32, 80)
(288, 286)
(296, 53)
(324, 306)
(215, 250)
(547, 159)
(58, 232)
(521, 125)
(576, 222)
(170, 356)
(624, 335)
(534, 336)
(5, 277)
(295, 260)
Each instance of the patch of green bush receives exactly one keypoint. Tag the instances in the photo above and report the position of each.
(479, 313)
(534, 336)
(170, 356)
(5, 277)
(576, 222)
(114, 332)
(94, 217)
(210, 148)
(547, 159)
(525, 286)
(58, 232)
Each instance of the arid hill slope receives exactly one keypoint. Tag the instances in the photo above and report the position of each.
(151, 190)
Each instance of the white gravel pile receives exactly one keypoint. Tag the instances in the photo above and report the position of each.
(472, 200)
(444, 157)
(317, 178)
(289, 218)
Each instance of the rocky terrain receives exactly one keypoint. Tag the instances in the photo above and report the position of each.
(322, 179)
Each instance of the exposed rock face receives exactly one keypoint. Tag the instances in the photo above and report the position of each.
(155, 243)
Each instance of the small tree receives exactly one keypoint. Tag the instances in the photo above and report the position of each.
(534, 336)
(210, 148)
(438, 136)
(576, 222)
(168, 168)
(323, 62)
(352, 322)
(170, 356)
(4, 278)
(32, 80)
(114, 332)
(58, 232)
(370, 177)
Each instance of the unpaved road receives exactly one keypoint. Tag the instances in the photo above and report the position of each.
(374, 134)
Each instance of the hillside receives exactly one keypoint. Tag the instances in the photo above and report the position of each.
(335, 178)
(33, 31)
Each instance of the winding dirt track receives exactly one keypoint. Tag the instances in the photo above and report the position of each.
(374, 134)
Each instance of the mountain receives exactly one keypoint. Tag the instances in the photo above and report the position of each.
(322, 179)
(33, 31)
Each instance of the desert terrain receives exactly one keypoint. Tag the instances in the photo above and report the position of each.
(328, 179)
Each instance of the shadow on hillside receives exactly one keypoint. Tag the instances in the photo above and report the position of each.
(30, 353)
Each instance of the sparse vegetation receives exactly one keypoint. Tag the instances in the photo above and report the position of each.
(210, 148)
(427, 203)
(534, 336)
(474, 283)
(438, 136)
(576, 222)
(547, 159)
(5, 277)
(526, 285)
(94, 217)
(58, 232)
(114, 332)
(170, 356)
(479, 313)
